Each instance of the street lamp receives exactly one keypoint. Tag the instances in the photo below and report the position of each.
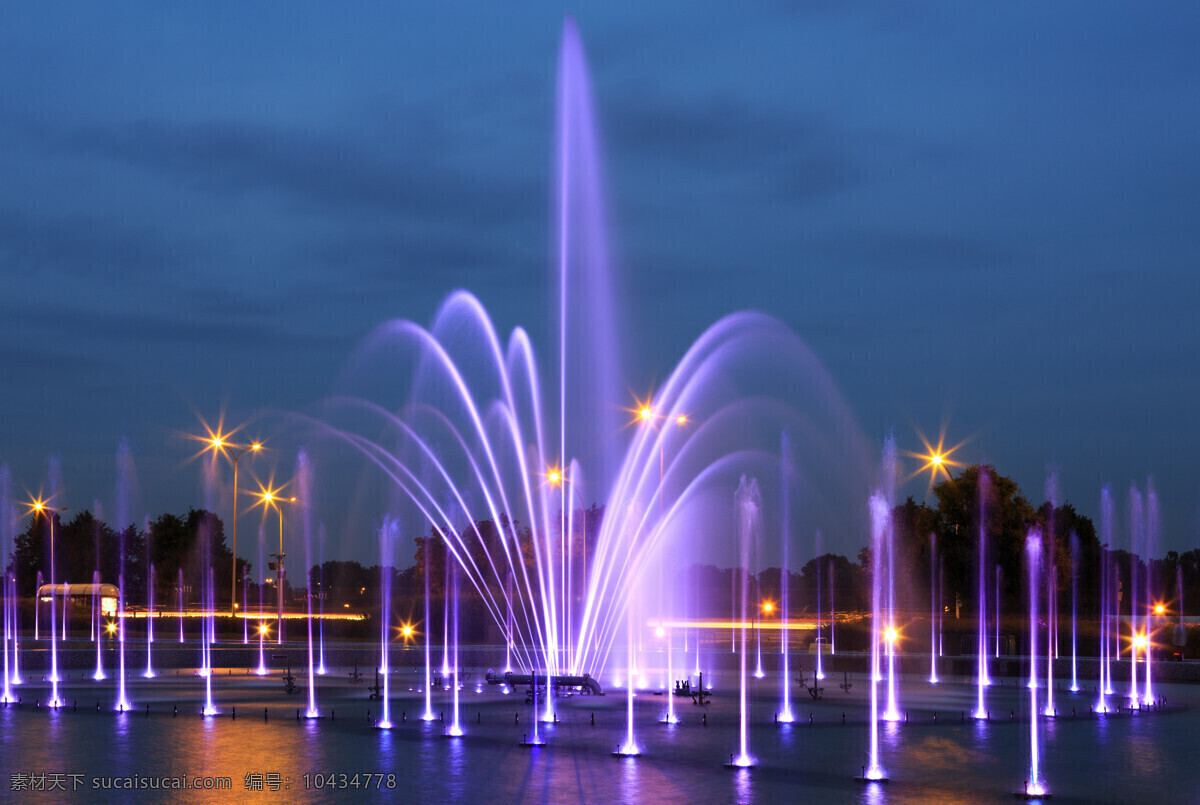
(271, 497)
(233, 452)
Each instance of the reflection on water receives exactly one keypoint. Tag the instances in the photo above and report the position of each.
(1115, 758)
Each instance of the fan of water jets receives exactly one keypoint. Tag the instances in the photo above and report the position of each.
(466, 426)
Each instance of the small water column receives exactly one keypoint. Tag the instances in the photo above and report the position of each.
(1074, 612)
(98, 674)
(933, 609)
(879, 515)
(428, 714)
(785, 710)
(456, 729)
(1033, 557)
(385, 620)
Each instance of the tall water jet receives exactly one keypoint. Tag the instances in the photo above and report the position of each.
(1033, 558)
(888, 565)
(1101, 705)
(880, 514)
(1051, 586)
(748, 510)
(1107, 599)
(98, 674)
(1137, 525)
(37, 607)
(16, 631)
(55, 482)
(982, 679)
(388, 536)
(306, 495)
(446, 620)
(1151, 606)
(147, 529)
(7, 534)
(321, 597)
(786, 470)
(428, 715)
(933, 609)
(125, 477)
(820, 671)
(210, 708)
(1074, 612)
(456, 729)
(261, 670)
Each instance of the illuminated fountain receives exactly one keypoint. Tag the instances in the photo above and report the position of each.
(1074, 612)
(455, 730)
(820, 672)
(305, 488)
(933, 609)
(7, 534)
(982, 680)
(473, 439)
(785, 487)
(388, 535)
(1151, 607)
(98, 674)
(884, 571)
(748, 510)
(880, 518)
(124, 517)
(1034, 787)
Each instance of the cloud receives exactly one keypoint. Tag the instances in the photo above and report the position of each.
(318, 171)
(47, 248)
(726, 136)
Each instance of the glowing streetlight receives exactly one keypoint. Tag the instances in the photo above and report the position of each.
(890, 635)
(406, 631)
(1159, 609)
(1139, 641)
(768, 607)
(220, 445)
(271, 498)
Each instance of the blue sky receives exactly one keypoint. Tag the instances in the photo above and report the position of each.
(976, 214)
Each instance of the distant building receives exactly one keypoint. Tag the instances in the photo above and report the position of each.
(82, 594)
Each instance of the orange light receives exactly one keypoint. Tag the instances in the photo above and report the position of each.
(935, 460)
(1159, 609)
(768, 607)
(256, 446)
(407, 631)
(1139, 640)
(890, 635)
(681, 419)
(645, 413)
(111, 627)
(554, 477)
(262, 628)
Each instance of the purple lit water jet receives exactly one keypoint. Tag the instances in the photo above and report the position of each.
(1033, 558)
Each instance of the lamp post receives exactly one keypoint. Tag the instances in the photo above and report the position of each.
(233, 452)
(272, 498)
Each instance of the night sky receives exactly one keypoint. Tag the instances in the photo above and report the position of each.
(981, 217)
